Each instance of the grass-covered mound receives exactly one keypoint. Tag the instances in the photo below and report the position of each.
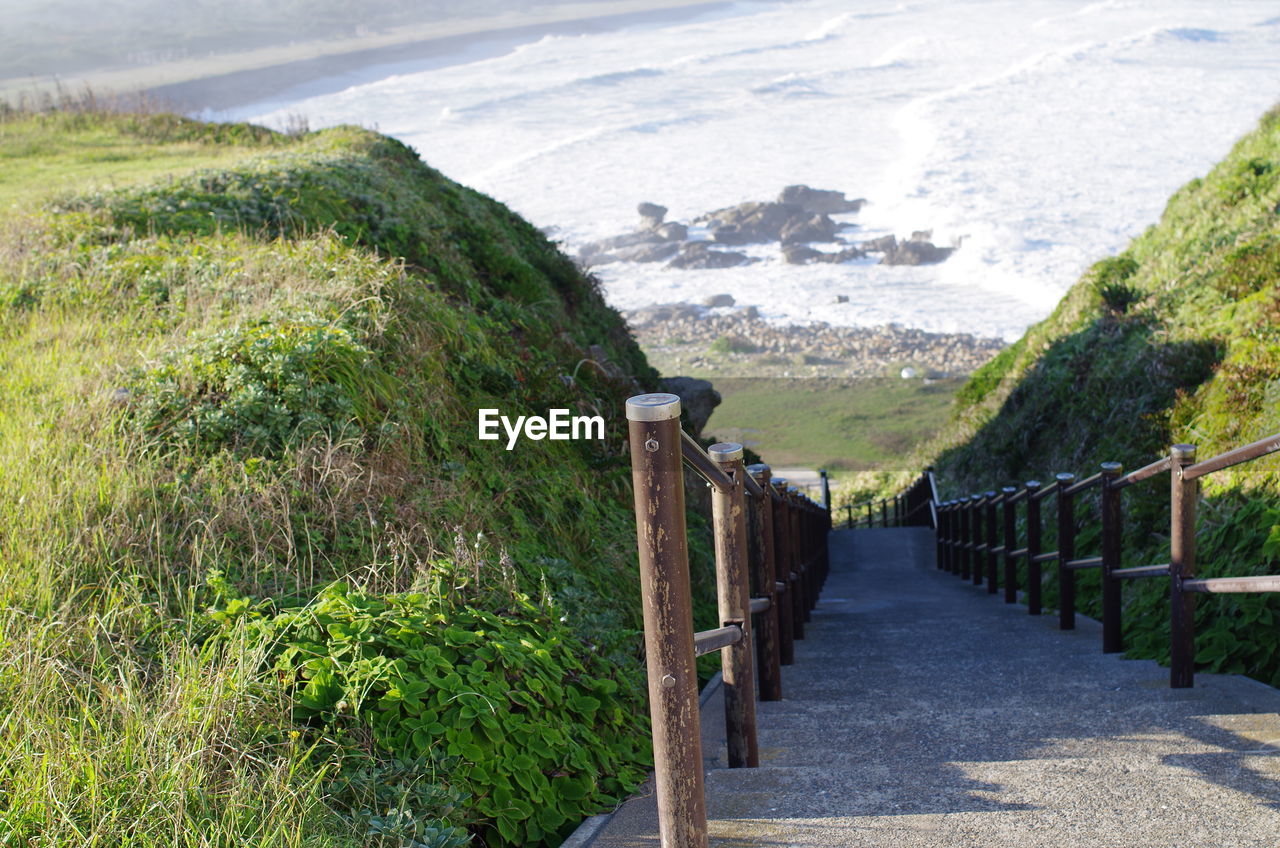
(260, 584)
(1177, 339)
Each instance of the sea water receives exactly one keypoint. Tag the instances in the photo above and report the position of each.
(1041, 135)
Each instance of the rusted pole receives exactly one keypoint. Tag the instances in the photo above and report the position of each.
(1182, 566)
(870, 519)
(976, 523)
(658, 479)
(1112, 546)
(791, 564)
(1066, 552)
(733, 598)
(826, 490)
(804, 565)
(784, 584)
(768, 651)
(849, 516)
(1033, 548)
(884, 512)
(940, 538)
(990, 536)
(966, 536)
(1010, 544)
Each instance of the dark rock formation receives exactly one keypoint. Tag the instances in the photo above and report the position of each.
(672, 231)
(647, 252)
(884, 244)
(697, 254)
(698, 399)
(718, 300)
(819, 200)
(651, 214)
(751, 223)
(802, 254)
(817, 227)
(916, 253)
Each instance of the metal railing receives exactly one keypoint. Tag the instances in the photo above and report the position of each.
(771, 563)
(914, 506)
(969, 544)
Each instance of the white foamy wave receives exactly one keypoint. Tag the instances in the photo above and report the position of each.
(1040, 138)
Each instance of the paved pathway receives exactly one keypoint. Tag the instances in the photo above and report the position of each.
(923, 712)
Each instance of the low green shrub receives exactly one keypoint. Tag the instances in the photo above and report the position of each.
(510, 707)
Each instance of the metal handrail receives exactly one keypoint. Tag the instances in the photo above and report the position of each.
(1246, 453)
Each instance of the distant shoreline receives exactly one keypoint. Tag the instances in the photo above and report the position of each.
(226, 81)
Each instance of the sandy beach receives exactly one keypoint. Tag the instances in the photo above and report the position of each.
(219, 82)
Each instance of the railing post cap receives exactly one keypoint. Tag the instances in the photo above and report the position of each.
(1064, 476)
(779, 482)
(656, 406)
(1033, 484)
(991, 494)
(1187, 453)
(1112, 469)
(758, 469)
(793, 490)
(1008, 490)
(725, 452)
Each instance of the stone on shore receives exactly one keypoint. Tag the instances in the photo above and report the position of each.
(697, 254)
(819, 200)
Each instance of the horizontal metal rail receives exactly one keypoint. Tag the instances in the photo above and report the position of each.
(1138, 475)
(706, 641)
(759, 605)
(1085, 562)
(1041, 494)
(999, 549)
(1086, 483)
(1045, 557)
(1142, 571)
(1253, 450)
(707, 468)
(1019, 496)
(1222, 585)
(752, 486)
(1018, 552)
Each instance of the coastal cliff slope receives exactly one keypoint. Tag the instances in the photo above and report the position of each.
(1174, 340)
(260, 583)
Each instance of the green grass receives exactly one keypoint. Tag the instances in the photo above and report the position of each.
(840, 425)
(1177, 339)
(46, 155)
(237, 419)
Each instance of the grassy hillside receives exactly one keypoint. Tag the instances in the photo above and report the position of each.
(259, 582)
(1177, 339)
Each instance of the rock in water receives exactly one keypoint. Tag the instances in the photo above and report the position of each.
(916, 253)
(696, 254)
(651, 214)
(718, 300)
(819, 200)
(697, 398)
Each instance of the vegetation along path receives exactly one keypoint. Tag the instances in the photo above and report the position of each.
(922, 712)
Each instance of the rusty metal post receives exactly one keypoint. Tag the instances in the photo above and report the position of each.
(1033, 548)
(804, 564)
(826, 490)
(768, 650)
(848, 516)
(940, 539)
(733, 598)
(991, 544)
(1066, 552)
(976, 502)
(884, 512)
(870, 520)
(1182, 566)
(658, 479)
(1010, 544)
(790, 563)
(1112, 547)
(966, 536)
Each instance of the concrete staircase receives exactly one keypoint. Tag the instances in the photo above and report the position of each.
(923, 712)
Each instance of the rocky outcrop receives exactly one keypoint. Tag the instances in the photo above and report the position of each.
(819, 200)
(916, 253)
(758, 223)
(651, 214)
(698, 399)
(698, 254)
(802, 254)
(817, 227)
(718, 300)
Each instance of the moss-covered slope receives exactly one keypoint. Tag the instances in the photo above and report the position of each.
(260, 583)
(1177, 339)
